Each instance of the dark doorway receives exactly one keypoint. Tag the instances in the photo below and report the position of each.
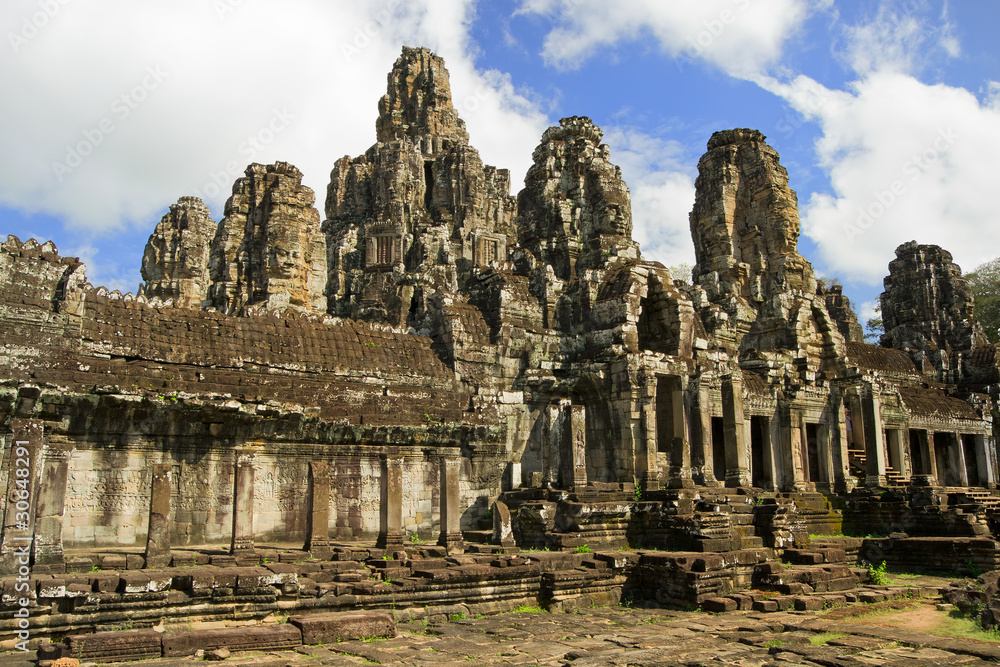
(892, 451)
(918, 438)
(812, 453)
(971, 461)
(665, 388)
(719, 449)
(429, 185)
(759, 474)
(947, 459)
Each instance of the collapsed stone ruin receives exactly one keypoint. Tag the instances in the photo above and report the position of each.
(434, 367)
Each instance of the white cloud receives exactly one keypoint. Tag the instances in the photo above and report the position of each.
(899, 40)
(661, 180)
(740, 37)
(906, 160)
(174, 99)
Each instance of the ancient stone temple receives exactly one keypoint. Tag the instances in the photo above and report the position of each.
(439, 363)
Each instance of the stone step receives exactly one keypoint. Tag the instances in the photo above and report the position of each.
(477, 536)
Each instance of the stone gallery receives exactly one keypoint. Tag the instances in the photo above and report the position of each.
(432, 367)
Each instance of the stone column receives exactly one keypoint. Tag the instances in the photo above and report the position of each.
(51, 508)
(243, 504)
(983, 461)
(963, 470)
(577, 420)
(843, 482)
(158, 535)
(871, 414)
(905, 463)
(681, 475)
(391, 502)
(23, 466)
(931, 452)
(796, 463)
(553, 454)
(703, 451)
(737, 465)
(318, 528)
(451, 515)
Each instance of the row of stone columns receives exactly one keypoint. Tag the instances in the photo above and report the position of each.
(36, 501)
(785, 453)
(682, 449)
(391, 497)
(869, 429)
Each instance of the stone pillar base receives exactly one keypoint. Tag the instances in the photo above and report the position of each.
(242, 548)
(923, 480)
(453, 542)
(387, 540)
(319, 547)
(845, 485)
(876, 481)
(738, 478)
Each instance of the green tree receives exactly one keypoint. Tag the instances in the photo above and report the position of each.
(681, 273)
(985, 283)
(874, 327)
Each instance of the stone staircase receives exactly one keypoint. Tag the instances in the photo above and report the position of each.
(807, 571)
(857, 460)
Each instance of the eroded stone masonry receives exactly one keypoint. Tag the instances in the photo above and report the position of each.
(434, 366)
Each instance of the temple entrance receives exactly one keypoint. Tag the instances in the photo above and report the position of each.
(918, 448)
(971, 460)
(667, 388)
(760, 474)
(812, 453)
(946, 453)
(718, 449)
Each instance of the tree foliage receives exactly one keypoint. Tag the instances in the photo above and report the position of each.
(985, 283)
(874, 327)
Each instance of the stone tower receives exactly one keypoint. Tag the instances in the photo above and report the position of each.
(268, 251)
(575, 211)
(745, 228)
(175, 262)
(928, 309)
(416, 212)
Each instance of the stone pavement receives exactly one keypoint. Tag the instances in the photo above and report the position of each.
(625, 637)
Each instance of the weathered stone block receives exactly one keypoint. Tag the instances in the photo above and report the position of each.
(343, 626)
(269, 638)
(114, 646)
(719, 605)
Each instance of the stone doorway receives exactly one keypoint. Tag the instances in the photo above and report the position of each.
(812, 453)
(718, 448)
(760, 472)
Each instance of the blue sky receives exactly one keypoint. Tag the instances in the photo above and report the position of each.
(886, 113)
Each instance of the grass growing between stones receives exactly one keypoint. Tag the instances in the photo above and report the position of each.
(527, 609)
(961, 626)
(824, 637)
(919, 617)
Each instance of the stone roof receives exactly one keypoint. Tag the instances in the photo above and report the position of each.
(936, 403)
(874, 358)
